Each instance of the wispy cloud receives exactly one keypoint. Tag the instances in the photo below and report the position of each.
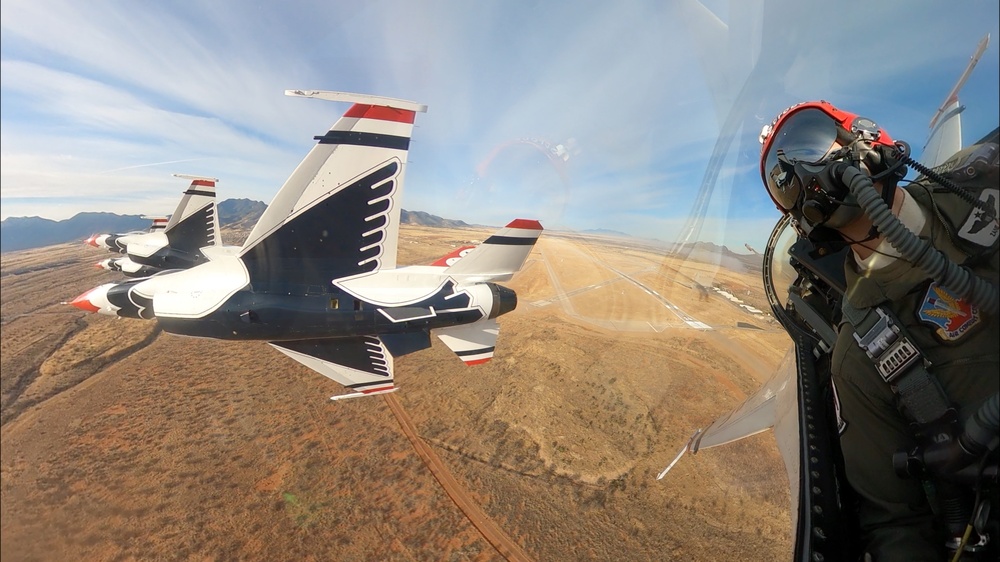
(103, 100)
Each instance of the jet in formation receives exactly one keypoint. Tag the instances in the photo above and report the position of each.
(174, 243)
(317, 276)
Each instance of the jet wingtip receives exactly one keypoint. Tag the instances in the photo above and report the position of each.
(691, 445)
(365, 99)
(359, 394)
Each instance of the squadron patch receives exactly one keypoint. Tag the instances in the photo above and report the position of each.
(978, 228)
(952, 317)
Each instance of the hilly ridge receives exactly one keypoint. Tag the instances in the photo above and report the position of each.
(22, 233)
(240, 215)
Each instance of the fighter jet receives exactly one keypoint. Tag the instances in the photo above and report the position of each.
(317, 276)
(169, 244)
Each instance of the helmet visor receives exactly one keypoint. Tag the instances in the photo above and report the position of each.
(807, 135)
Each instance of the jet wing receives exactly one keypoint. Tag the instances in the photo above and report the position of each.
(775, 406)
(754, 415)
(362, 363)
(757, 413)
(473, 343)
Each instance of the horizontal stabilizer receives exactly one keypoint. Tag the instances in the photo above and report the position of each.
(452, 257)
(473, 343)
(501, 255)
(360, 363)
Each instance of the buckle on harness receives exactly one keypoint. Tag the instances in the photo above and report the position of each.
(889, 349)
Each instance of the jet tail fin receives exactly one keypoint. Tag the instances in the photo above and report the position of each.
(195, 222)
(945, 138)
(158, 223)
(501, 255)
(337, 215)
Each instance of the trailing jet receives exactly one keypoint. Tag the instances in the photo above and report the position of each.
(317, 276)
(176, 243)
(110, 242)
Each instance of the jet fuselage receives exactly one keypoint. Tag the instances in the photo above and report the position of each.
(272, 317)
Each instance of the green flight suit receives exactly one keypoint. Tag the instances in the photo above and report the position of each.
(896, 518)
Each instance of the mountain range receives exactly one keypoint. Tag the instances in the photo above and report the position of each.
(239, 216)
(22, 233)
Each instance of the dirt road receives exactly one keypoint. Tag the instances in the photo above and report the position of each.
(489, 529)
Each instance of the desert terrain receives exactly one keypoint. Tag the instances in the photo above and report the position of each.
(120, 442)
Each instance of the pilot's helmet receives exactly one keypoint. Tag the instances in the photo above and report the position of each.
(808, 132)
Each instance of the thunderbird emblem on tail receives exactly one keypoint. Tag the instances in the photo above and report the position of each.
(317, 276)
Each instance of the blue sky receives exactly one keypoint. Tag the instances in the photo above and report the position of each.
(102, 101)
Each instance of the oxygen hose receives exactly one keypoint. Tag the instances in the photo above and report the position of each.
(981, 429)
(980, 436)
(954, 277)
(989, 213)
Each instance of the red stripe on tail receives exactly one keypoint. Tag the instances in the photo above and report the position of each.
(381, 113)
(526, 224)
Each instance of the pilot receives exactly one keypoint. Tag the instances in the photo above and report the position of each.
(914, 360)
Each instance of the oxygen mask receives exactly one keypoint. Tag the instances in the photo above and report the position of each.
(803, 161)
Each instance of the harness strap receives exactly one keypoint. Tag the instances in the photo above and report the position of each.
(898, 361)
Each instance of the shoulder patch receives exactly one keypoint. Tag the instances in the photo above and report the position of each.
(952, 317)
(978, 229)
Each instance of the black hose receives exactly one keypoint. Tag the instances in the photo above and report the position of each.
(989, 213)
(921, 253)
(982, 428)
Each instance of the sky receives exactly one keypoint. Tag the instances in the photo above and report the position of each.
(584, 115)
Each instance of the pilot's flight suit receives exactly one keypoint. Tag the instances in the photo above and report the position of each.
(960, 342)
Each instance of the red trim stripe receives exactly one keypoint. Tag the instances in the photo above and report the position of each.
(376, 389)
(477, 361)
(527, 224)
(205, 183)
(381, 113)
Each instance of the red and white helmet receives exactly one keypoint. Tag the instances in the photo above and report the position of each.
(808, 132)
